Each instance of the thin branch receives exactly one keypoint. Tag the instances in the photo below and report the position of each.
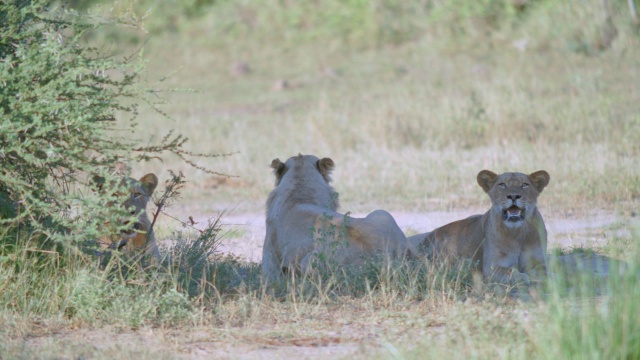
(184, 224)
(634, 13)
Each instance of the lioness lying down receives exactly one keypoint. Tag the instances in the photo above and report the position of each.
(302, 222)
(139, 236)
(508, 242)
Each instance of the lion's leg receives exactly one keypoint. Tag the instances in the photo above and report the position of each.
(152, 248)
(541, 231)
(533, 262)
(501, 265)
(507, 275)
(271, 269)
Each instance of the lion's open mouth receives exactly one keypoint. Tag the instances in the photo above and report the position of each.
(513, 214)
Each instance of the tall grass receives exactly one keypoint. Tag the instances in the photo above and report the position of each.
(192, 277)
(411, 100)
(578, 316)
(593, 316)
(73, 288)
(594, 329)
(36, 286)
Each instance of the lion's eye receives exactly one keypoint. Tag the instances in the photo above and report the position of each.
(137, 195)
(525, 185)
(502, 185)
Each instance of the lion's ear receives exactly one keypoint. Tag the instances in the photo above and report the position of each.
(121, 169)
(279, 168)
(276, 164)
(149, 183)
(540, 179)
(325, 166)
(486, 179)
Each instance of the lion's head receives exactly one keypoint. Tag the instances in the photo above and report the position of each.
(513, 195)
(138, 193)
(303, 165)
(303, 179)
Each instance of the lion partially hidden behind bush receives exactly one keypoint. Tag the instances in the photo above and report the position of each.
(138, 236)
(304, 227)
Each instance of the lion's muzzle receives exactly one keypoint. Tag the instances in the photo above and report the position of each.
(513, 214)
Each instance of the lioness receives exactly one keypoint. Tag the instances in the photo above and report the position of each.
(139, 236)
(302, 221)
(508, 242)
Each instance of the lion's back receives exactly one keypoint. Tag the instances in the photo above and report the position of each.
(460, 239)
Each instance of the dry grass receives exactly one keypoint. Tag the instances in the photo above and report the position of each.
(409, 125)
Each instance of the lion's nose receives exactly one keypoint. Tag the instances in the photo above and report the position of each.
(513, 197)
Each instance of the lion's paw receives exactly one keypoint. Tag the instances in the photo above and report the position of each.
(519, 278)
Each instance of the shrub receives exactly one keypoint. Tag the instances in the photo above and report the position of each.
(59, 97)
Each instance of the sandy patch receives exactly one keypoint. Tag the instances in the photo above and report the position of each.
(247, 230)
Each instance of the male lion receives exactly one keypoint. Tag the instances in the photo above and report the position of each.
(139, 236)
(303, 224)
(508, 242)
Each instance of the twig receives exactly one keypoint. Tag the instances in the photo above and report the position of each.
(634, 14)
(171, 190)
(185, 224)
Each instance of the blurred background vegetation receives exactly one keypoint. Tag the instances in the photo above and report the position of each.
(410, 98)
(444, 88)
(586, 26)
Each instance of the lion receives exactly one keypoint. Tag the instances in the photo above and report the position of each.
(303, 224)
(509, 242)
(139, 237)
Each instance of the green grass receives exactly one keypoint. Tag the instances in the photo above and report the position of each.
(411, 103)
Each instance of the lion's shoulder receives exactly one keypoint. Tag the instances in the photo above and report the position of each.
(466, 227)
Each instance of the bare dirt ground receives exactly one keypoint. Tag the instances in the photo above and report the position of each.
(191, 344)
